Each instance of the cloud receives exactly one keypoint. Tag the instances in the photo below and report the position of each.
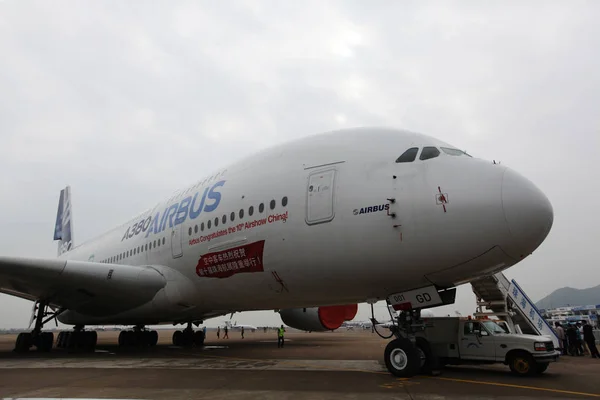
(126, 101)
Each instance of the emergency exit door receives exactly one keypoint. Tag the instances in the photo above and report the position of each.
(320, 193)
(176, 238)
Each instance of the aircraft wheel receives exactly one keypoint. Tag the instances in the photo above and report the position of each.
(23, 342)
(177, 338)
(429, 363)
(188, 338)
(45, 341)
(402, 358)
(90, 338)
(153, 338)
(199, 338)
(59, 340)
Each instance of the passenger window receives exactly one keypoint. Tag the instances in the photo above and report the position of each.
(190, 231)
(409, 155)
(208, 224)
(163, 240)
(261, 208)
(196, 229)
(272, 204)
(241, 213)
(202, 227)
(224, 219)
(155, 243)
(284, 201)
(216, 221)
(429, 152)
(232, 216)
(251, 210)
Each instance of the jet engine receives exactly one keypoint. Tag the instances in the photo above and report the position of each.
(318, 319)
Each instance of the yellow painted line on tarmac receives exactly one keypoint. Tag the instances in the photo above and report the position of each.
(510, 385)
(518, 386)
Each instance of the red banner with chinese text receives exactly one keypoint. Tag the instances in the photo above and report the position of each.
(225, 263)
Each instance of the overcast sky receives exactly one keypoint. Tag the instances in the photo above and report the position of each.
(127, 101)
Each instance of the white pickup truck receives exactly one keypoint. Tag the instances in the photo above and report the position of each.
(456, 340)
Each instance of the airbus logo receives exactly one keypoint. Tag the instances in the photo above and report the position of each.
(367, 210)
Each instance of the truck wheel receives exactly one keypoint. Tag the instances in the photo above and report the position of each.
(402, 358)
(522, 364)
(540, 368)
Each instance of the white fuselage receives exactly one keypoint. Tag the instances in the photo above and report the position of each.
(342, 222)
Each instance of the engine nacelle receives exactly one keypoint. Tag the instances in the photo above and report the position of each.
(318, 319)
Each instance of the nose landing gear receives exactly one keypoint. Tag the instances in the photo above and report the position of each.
(408, 355)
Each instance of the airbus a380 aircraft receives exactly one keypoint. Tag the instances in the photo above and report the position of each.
(310, 228)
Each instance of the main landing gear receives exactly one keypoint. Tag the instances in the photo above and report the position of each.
(408, 355)
(188, 338)
(77, 339)
(138, 337)
(43, 341)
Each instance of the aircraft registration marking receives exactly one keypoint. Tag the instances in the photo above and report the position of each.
(418, 298)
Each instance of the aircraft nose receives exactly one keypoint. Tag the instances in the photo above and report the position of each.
(528, 213)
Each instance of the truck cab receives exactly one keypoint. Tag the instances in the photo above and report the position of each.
(455, 340)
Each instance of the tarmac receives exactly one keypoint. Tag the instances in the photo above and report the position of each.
(330, 365)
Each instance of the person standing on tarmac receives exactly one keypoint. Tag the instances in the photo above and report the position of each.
(242, 332)
(590, 340)
(562, 337)
(225, 334)
(218, 332)
(280, 339)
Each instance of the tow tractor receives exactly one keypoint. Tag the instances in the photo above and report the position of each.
(426, 345)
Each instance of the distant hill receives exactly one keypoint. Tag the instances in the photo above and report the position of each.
(570, 297)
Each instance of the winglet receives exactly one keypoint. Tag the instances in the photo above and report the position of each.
(63, 230)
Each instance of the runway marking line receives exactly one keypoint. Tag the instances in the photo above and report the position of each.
(517, 386)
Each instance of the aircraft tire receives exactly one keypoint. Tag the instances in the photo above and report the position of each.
(45, 341)
(430, 363)
(23, 342)
(199, 338)
(60, 340)
(177, 338)
(153, 338)
(402, 358)
(90, 339)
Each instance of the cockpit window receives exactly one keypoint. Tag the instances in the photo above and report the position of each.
(454, 152)
(429, 152)
(409, 155)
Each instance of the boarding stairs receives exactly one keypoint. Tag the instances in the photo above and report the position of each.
(498, 297)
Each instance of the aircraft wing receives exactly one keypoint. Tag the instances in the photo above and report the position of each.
(80, 285)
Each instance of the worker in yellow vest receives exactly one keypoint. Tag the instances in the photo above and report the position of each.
(280, 333)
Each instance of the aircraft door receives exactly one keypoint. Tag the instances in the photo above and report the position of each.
(320, 198)
(176, 238)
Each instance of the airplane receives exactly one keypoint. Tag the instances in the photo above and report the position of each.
(311, 228)
(236, 326)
